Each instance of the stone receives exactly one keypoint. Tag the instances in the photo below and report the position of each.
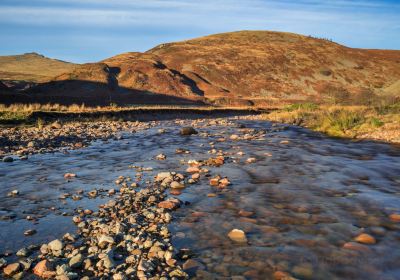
(356, 247)
(251, 160)
(30, 232)
(234, 137)
(76, 261)
(192, 265)
(23, 252)
(55, 245)
(237, 235)
(56, 125)
(170, 204)
(69, 175)
(8, 159)
(43, 268)
(12, 269)
(365, 238)
(176, 185)
(188, 130)
(161, 157)
(3, 263)
(395, 217)
(104, 240)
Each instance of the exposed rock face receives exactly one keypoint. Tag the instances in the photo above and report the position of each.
(238, 68)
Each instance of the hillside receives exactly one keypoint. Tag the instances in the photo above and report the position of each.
(32, 67)
(238, 68)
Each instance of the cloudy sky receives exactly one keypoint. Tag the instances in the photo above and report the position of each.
(90, 30)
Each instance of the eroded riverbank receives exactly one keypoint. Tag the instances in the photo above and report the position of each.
(300, 198)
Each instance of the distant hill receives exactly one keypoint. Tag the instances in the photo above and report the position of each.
(32, 67)
(237, 68)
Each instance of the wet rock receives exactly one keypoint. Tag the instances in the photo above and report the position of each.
(69, 175)
(44, 269)
(356, 247)
(365, 238)
(13, 193)
(251, 160)
(192, 264)
(23, 252)
(161, 157)
(8, 159)
(76, 261)
(55, 247)
(188, 130)
(104, 240)
(12, 269)
(176, 185)
(170, 204)
(234, 137)
(237, 235)
(3, 263)
(30, 232)
(395, 217)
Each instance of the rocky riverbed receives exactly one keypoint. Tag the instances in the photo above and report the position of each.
(206, 199)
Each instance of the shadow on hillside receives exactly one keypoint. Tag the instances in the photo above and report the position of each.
(91, 94)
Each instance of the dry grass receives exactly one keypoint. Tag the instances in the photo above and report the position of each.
(20, 113)
(382, 123)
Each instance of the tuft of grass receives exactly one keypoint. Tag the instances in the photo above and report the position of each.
(375, 122)
(339, 122)
(302, 106)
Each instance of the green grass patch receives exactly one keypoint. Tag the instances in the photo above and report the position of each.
(302, 106)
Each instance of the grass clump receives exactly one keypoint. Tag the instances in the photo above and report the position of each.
(302, 106)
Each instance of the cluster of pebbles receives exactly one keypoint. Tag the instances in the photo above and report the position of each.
(127, 238)
(24, 141)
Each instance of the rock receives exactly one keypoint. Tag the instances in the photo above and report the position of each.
(356, 247)
(305, 271)
(281, 275)
(176, 185)
(44, 269)
(237, 235)
(365, 238)
(30, 144)
(13, 193)
(234, 137)
(3, 263)
(30, 232)
(395, 217)
(56, 125)
(12, 269)
(170, 204)
(69, 175)
(8, 159)
(161, 157)
(23, 252)
(104, 240)
(192, 265)
(76, 261)
(188, 130)
(251, 160)
(55, 245)
(193, 169)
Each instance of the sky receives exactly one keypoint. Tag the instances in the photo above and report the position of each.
(91, 30)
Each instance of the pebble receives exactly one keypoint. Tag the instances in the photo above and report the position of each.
(8, 159)
(12, 269)
(30, 232)
(188, 130)
(395, 217)
(237, 235)
(365, 238)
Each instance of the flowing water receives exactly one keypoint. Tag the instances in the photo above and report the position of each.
(304, 197)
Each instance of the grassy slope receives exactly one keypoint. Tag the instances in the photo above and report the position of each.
(361, 122)
(32, 67)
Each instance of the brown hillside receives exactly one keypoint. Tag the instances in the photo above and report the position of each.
(247, 67)
(32, 67)
(262, 65)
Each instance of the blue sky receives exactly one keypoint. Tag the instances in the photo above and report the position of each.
(91, 30)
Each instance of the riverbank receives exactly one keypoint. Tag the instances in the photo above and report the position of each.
(357, 122)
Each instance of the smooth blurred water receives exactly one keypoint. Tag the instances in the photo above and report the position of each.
(310, 197)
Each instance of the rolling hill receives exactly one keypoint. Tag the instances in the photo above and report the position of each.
(237, 68)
